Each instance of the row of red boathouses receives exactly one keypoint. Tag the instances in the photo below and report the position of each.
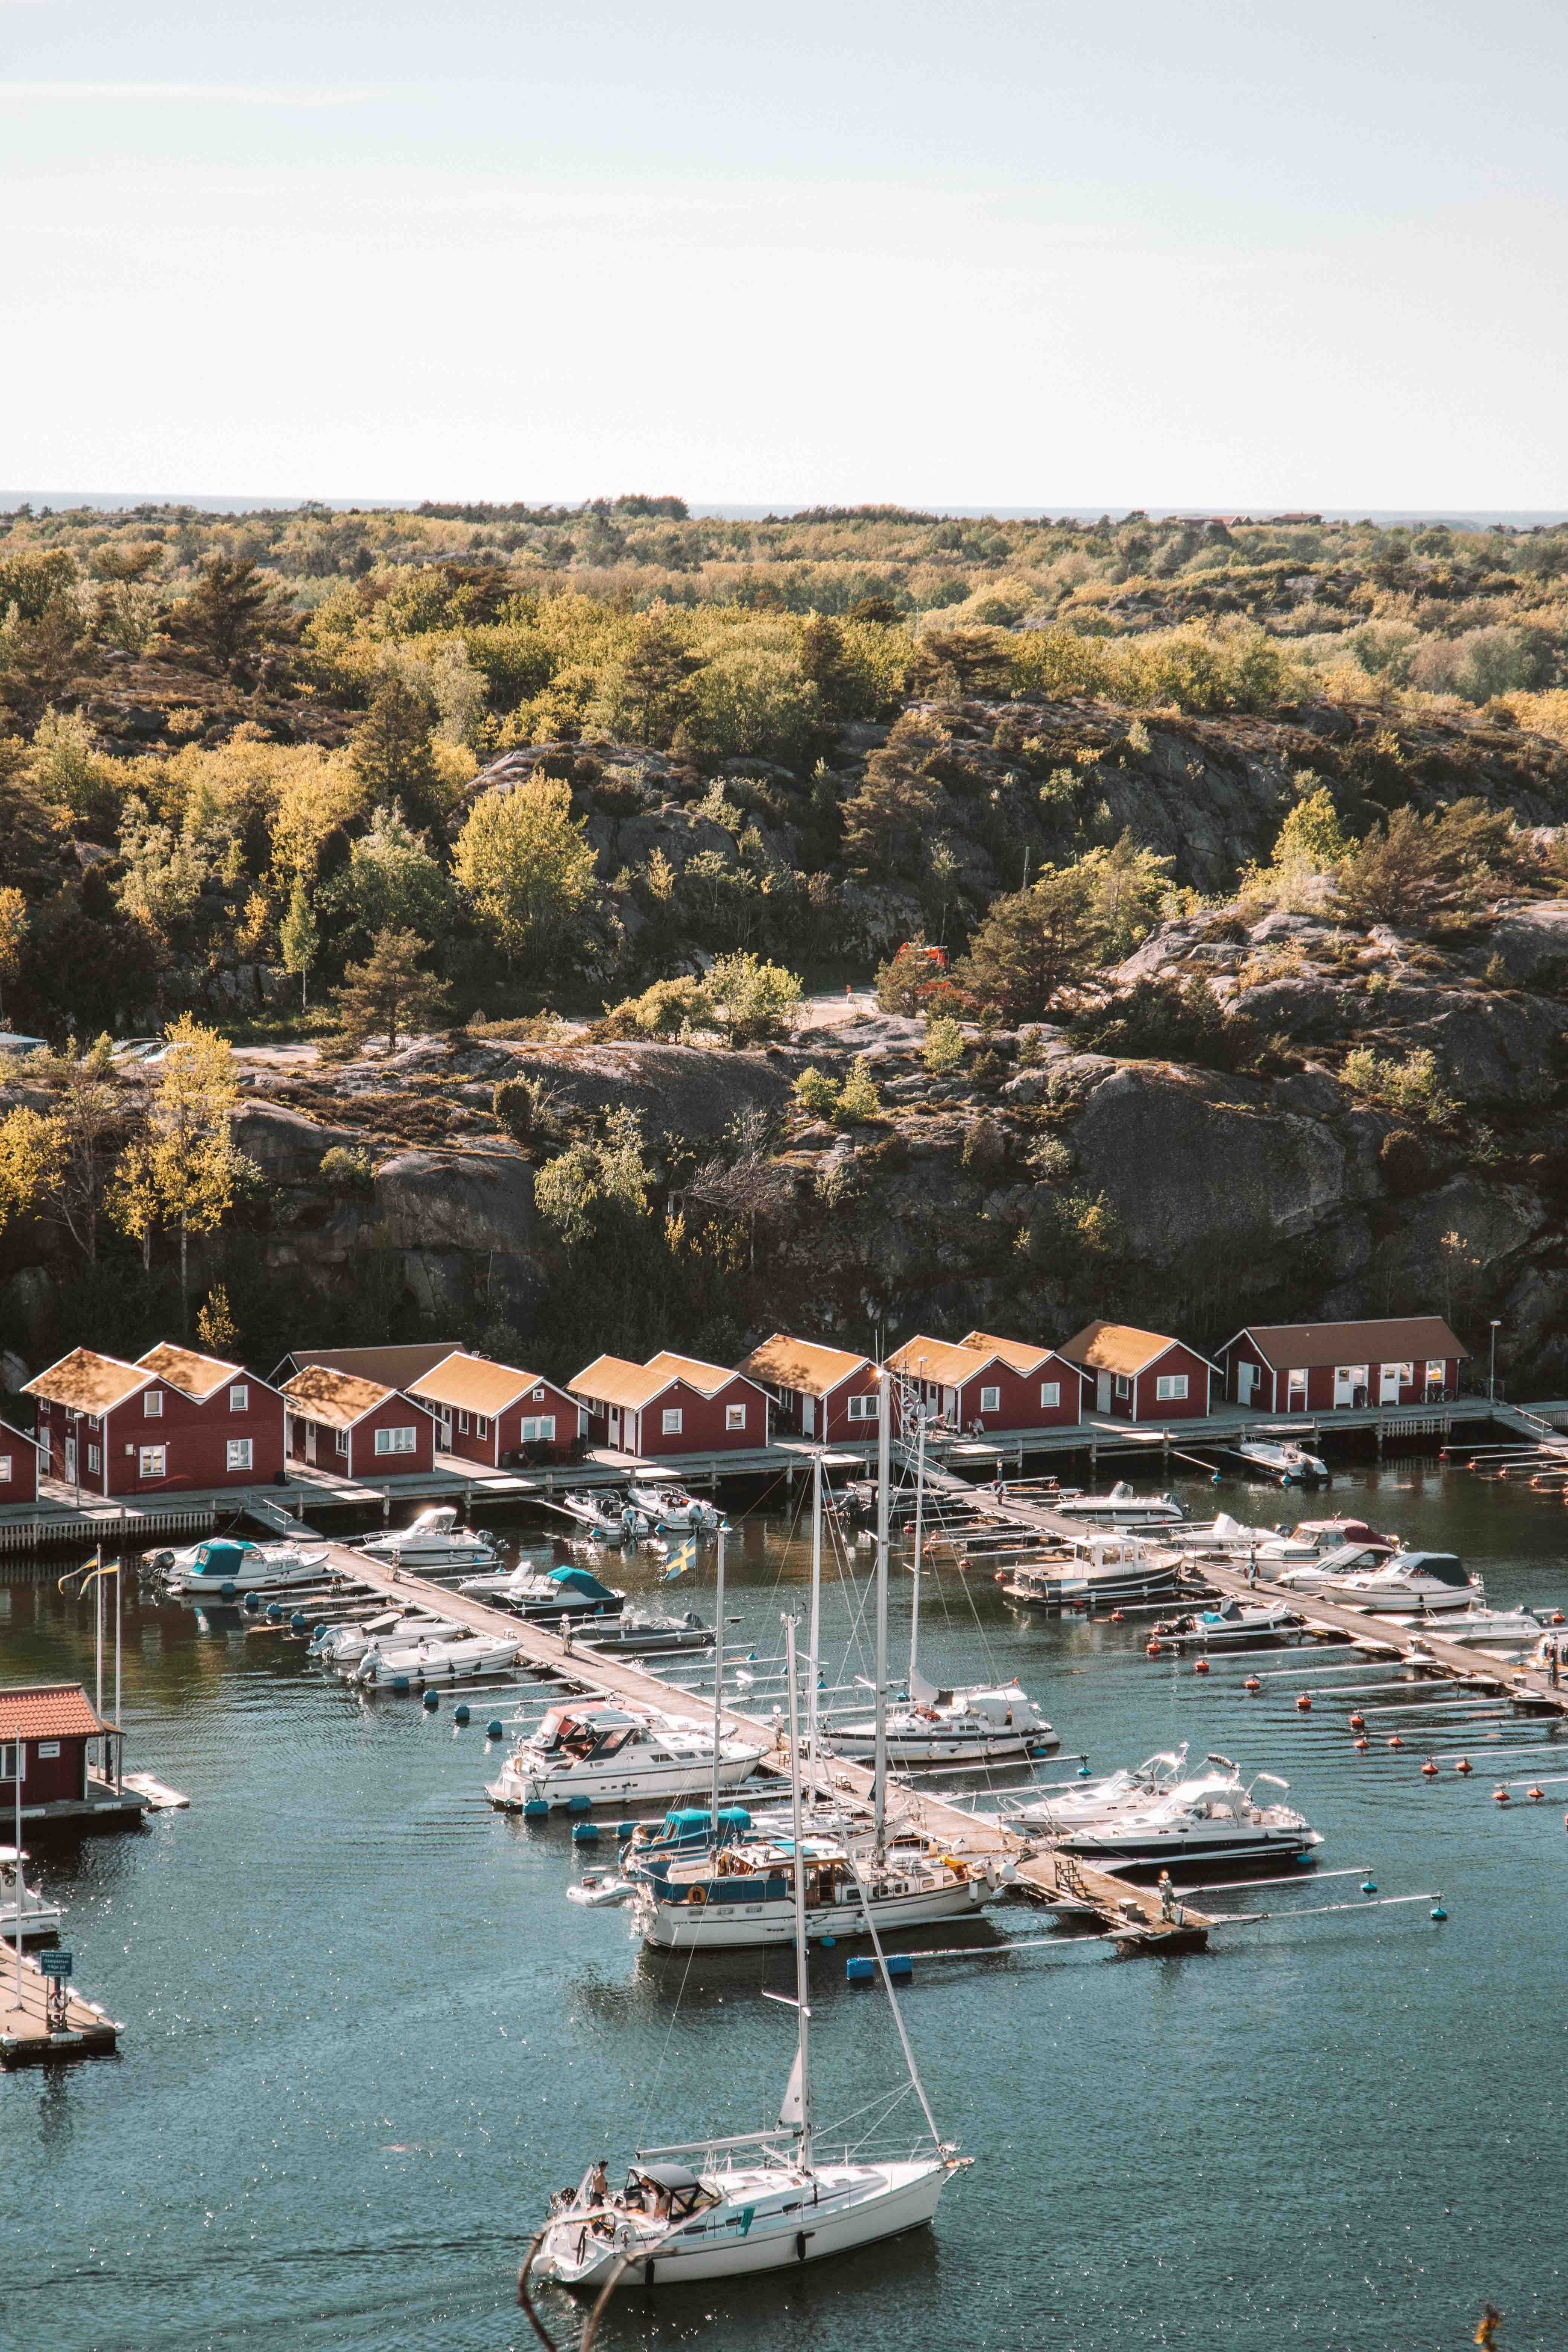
(176, 1420)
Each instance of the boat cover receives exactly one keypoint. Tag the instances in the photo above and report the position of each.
(224, 1558)
(581, 1579)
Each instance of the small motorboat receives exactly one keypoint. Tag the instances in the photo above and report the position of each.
(1101, 1580)
(226, 1567)
(434, 1539)
(597, 1889)
(428, 1661)
(1223, 1534)
(644, 1632)
(1411, 1584)
(1491, 1629)
(25, 1913)
(550, 1594)
(1123, 1507)
(1231, 1625)
(950, 1726)
(1314, 1575)
(1213, 1818)
(1331, 1534)
(1283, 1459)
(611, 1756)
(1130, 1789)
(341, 1646)
(672, 1510)
(614, 1521)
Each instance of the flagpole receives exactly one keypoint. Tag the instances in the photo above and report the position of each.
(814, 1667)
(802, 2012)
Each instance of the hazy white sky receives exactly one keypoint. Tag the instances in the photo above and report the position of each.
(1212, 253)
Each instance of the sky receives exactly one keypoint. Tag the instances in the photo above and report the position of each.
(1215, 254)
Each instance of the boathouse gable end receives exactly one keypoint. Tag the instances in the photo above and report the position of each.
(990, 1387)
(53, 1723)
(357, 1428)
(672, 1405)
(825, 1393)
(1143, 1376)
(175, 1421)
(21, 1457)
(1327, 1367)
(493, 1413)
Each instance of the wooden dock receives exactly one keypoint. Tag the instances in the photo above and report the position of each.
(1133, 1915)
(25, 2038)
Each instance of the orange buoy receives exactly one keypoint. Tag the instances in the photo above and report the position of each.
(1462, 1764)
(1360, 1746)
(1152, 1651)
(1118, 1616)
(1305, 1703)
(1536, 1795)
(1500, 1796)
(1002, 1575)
(1252, 1684)
(1200, 1666)
(1358, 1723)
(1397, 1741)
(1557, 1618)
(1430, 1767)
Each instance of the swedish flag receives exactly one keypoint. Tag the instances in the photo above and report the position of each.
(680, 1563)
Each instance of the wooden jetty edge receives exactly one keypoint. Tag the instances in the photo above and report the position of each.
(1133, 1915)
(24, 2035)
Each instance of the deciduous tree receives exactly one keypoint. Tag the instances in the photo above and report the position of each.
(526, 864)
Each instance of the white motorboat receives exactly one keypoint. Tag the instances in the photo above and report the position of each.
(1133, 1789)
(1104, 1577)
(573, 1592)
(428, 1661)
(1313, 1575)
(646, 1633)
(1411, 1584)
(1283, 1459)
(1223, 1534)
(617, 1520)
(761, 2201)
(1491, 1629)
(225, 1568)
(1230, 1624)
(1123, 1507)
(1332, 1535)
(613, 1756)
(950, 1726)
(672, 1509)
(1213, 1818)
(25, 1911)
(434, 1539)
(341, 1646)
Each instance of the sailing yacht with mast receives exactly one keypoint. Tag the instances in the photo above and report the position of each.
(759, 2201)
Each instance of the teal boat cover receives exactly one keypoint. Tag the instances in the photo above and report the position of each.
(581, 1579)
(224, 1558)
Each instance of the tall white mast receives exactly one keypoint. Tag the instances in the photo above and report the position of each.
(814, 1666)
(919, 1497)
(802, 2012)
(718, 1684)
(884, 1424)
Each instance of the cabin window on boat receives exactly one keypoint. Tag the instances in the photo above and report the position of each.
(991, 1399)
(153, 1405)
(152, 1460)
(672, 1421)
(394, 1441)
(734, 1416)
(239, 1454)
(1050, 1393)
(1169, 1387)
(541, 1430)
(239, 1397)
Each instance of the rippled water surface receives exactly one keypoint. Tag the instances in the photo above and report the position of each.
(365, 2034)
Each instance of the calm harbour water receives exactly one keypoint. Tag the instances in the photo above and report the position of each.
(365, 2034)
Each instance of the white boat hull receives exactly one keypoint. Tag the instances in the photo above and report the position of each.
(440, 1666)
(945, 1747)
(256, 1577)
(652, 1784)
(733, 1926)
(1175, 1849)
(853, 2206)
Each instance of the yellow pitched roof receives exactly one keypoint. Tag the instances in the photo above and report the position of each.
(338, 1399)
(473, 1383)
(940, 1361)
(1119, 1348)
(612, 1379)
(1019, 1355)
(88, 1381)
(804, 1365)
(196, 1376)
(706, 1378)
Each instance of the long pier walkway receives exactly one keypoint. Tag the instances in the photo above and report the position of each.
(25, 2031)
(1134, 1914)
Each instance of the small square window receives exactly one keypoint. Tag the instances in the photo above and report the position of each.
(539, 1396)
(1123, 1385)
(1051, 1394)
(153, 1405)
(734, 1416)
(991, 1399)
(152, 1460)
(1169, 1388)
(481, 1425)
(239, 1454)
(673, 1421)
(239, 1397)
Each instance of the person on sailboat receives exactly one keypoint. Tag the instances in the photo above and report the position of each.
(599, 2181)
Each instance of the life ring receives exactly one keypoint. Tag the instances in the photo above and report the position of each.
(698, 1894)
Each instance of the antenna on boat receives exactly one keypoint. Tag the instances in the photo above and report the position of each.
(884, 1429)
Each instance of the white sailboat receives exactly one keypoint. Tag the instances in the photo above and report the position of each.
(600, 1755)
(763, 2200)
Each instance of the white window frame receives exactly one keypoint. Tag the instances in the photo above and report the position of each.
(673, 1422)
(1170, 1388)
(734, 1416)
(481, 1425)
(340, 1442)
(8, 1760)
(240, 1396)
(863, 1405)
(152, 1406)
(991, 1398)
(94, 1459)
(5, 1472)
(462, 1423)
(1437, 1370)
(1296, 1382)
(1123, 1388)
(1051, 1394)
(538, 1397)
(539, 1430)
(152, 1462)
(239, 1454)
(404, 1439)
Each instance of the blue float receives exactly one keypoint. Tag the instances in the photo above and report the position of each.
(253, 1600)
(585, 1833)
(864, 1972)
(460, 1712)
(535, 1809)
(400, 1682)
(578, 1805)
(432, 1701)
(1438, 1912)
(494, 1728)
(275, 1612)
(296, 1622)
(1369, 1887)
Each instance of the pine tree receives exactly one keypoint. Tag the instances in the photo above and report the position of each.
(388, 991)
(394, 755)
(298, 940)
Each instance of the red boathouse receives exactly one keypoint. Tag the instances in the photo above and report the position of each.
(493, 1413)
(672, 1405)
(1143, 1375)
(1329, 1367)
(172, 1422)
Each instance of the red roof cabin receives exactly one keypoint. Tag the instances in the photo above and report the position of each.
(1143, 1375)
(987, 1386)
(19, 1459)
(491, 1413)
(672, 1405)
(1334, 1366)
(825, 1393)
(356, 1428)
(49, 1727)
(172, 1423)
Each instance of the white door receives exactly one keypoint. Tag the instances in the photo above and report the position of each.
(309, 1441)
(444, 1432)
(1103, 1393)
(1344, 1384)
(1388, 1384)
(808, 1416)
(70, 1462)
(1245, 1382)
